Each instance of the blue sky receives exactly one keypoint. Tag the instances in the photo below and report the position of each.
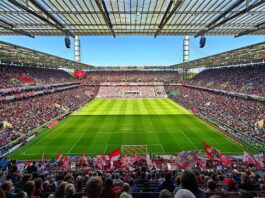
(131, 50)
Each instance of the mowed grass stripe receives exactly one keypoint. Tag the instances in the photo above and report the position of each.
(181, 133)
(105, 124)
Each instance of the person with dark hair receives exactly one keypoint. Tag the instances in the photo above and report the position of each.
(133, 187)
(246, 183)
(2, 193)
(46, 186)
(59, 193)
(108, 191)
(38, 187)
(167, 184)
(94, 187)
(189, 182)
(29, 188)
(25, 178)
(211, 187)
(21, 194)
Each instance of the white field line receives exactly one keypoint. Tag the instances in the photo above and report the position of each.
(76, 143)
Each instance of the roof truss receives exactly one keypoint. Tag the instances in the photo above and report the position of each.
(132, 17)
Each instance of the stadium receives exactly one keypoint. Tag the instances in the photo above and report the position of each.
(71, 129)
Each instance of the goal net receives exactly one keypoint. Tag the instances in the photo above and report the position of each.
(131, 150)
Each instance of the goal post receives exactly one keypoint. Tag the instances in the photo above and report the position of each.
(131, 150)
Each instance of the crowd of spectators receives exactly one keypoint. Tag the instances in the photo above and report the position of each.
(239, 113)
(55, 179)
(27, 114)
(247, 79)
(14, 76)
(141, 91)
(131, 76)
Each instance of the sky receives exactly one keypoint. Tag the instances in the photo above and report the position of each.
(132, 50)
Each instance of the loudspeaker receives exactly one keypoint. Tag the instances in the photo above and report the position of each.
(202, 42)
(67, 41)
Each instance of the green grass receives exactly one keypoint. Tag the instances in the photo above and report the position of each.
(105, 124)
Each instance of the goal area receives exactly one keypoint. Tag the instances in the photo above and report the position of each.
(131, 150)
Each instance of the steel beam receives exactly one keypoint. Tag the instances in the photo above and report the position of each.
(105, 14)
(36, 15)
(166, 19)
(231, 17)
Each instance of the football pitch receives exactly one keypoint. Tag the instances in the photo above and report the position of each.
(103, 125)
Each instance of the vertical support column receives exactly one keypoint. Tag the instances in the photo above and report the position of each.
(77, 49)
(186, 48)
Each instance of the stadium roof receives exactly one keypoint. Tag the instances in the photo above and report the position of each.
(132, 17)
(15, 54)
(249, 54)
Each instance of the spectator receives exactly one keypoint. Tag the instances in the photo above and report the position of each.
(108, 189)
(165, 194)
(94, 187)
(29, 188)
(184, 193)
(167, 184)
(189, 182)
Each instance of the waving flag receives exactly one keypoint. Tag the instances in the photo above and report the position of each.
(225, 160)
(259, 161)
(100, 161)
(186, 159)
(149, 163)
(114, 155)
(201, 163)
(59, 155)
(247, 158)
(83, 157)
(127, 162)
(210, 151)
(172, 166)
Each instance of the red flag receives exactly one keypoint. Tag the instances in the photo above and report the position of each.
(83, 157)
(66, 162)
(225, 160)
(114, 155)
(101, 161)
(259, 161)
(201, 163)
(59, 155)
(210, 151)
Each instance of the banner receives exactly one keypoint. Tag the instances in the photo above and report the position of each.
(114, 155)
(211, 152)
(186, 159)
(225, 160)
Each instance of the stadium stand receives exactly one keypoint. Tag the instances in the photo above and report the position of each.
(30, 97)
(29, 113)
(132, 90)
(14, 76)
(132, 76)
(237, 115)
(246, 79)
